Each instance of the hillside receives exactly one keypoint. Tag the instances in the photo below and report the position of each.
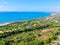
(43, 31)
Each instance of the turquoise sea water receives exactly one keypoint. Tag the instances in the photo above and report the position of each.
(19, 16)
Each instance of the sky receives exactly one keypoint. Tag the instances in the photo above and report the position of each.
(30, 5)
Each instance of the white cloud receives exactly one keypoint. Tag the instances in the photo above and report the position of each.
(5, 2)
(58, 9)
(2, 2)
(1, 6)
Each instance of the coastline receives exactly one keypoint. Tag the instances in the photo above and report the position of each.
(44, 15)
(4, 24)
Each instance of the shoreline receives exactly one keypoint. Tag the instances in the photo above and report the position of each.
(4, 24)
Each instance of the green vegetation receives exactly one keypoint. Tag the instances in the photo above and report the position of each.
(33, 32)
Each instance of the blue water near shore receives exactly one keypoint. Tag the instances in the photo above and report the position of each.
(6, 17)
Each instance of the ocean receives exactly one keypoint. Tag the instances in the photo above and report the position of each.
(6, 17)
